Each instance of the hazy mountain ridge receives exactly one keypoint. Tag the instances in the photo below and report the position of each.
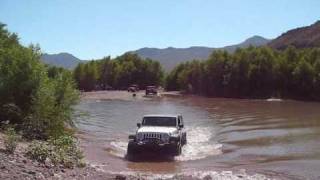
(170, 57)
(303, 37)
(65, 60)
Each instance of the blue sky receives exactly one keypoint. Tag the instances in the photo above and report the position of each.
(96, 28)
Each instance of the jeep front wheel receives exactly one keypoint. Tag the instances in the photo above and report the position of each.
(178, 150)
(184, 139)
(131, 148)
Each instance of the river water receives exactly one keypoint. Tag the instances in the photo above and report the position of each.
(279, 139)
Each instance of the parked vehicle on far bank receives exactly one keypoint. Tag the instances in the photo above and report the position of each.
(133, 88)
(158, 133)
(151, 90)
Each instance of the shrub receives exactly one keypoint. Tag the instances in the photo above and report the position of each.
(52, 108)
(66, 151)
(38, 151)
(10, 141)
(62, 150)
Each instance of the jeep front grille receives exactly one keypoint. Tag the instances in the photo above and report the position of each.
(149, 135)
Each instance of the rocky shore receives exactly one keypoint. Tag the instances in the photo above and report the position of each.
(18, 166)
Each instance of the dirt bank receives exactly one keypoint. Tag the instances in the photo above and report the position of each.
(18, 166)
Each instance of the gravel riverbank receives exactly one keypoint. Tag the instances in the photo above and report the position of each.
(18, 166)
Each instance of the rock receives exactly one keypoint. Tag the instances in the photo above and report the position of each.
(40, 176)
(24, 161)
(207, 177)
(120, 177)
(31, 172)
(21, 166)
(58, 176)
(3, 167)
(240, 176)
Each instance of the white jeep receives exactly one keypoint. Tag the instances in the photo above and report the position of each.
(158, 133)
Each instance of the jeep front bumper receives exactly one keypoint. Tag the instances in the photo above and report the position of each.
(155, 146)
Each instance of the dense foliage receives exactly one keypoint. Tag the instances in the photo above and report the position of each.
(118, 73)
(33, 101)
(252, 73)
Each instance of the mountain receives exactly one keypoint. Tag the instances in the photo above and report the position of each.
(253, 41)
(65, 60)
(170, 57)
(303, 37)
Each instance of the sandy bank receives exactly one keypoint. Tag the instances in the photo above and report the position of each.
(123, 95)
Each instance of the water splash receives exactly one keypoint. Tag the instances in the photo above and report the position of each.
(199, 145)
(118, 148)
(223, 175)
(274, 100)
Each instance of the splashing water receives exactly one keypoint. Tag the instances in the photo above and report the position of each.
(198, 145)
(223, 175)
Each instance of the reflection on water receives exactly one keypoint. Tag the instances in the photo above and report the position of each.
(272, 137)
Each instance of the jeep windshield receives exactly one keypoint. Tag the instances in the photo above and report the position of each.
(159, 121)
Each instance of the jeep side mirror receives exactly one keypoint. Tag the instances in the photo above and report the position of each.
(132, 137)
(139, 125)
(180, 125)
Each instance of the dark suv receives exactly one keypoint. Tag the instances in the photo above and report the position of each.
(133, 88)
(151, 90)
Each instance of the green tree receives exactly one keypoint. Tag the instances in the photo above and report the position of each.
(118, 73)
(303, 76)
(251, 73)
(39, 105)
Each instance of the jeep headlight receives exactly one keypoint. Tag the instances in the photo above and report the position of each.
(174, 134)
(165, 137)
(139, 137)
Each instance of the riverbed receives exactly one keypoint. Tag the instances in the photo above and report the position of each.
(227, 138)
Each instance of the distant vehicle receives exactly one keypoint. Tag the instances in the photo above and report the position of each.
(107, 87)
(158, 133)
(151, 90)
(133, 88)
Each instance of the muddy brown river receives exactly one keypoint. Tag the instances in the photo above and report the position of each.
(275, 138)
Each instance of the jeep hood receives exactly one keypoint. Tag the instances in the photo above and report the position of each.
(156, 129)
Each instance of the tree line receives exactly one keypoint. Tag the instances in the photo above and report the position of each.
(254, 72)
(118, 73)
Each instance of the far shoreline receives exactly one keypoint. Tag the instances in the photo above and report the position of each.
(140, 95)
(124, 95)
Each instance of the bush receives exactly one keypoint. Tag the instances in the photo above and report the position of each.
(38, 151)
(10, 141)
(62, 150)
(52, 108)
